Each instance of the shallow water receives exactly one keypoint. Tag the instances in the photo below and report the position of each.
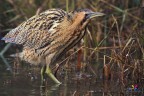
(24, 80)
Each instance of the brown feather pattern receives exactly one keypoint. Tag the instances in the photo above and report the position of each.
(48, 36)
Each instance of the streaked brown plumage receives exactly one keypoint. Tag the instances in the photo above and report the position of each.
(47, 36)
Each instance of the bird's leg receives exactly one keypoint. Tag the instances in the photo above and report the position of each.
(43, 69)
(48, 71)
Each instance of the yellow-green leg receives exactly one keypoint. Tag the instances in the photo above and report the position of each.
(42, 73)
(49, 73)
(43, 69)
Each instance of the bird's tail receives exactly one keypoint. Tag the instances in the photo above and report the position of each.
(28, 55)
(16, 55)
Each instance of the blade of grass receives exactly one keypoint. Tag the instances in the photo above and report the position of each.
(123, 11)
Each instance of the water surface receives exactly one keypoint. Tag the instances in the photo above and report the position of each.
(24, 80)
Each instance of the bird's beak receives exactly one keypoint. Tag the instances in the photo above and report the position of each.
(90, 15)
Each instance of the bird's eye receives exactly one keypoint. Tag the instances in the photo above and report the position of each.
(86, 15)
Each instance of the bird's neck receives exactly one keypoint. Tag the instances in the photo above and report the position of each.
(77, 21)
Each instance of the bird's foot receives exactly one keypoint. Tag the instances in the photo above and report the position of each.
(48, 71)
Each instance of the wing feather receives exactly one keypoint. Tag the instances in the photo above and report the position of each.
(35, 32)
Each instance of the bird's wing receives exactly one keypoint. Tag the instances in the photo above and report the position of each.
(36, 31)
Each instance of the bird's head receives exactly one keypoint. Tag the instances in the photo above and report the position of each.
(83, 16)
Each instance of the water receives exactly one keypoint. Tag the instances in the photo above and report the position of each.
(24, 80)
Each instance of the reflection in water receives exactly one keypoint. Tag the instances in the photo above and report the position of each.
(48, 91)
(27, 82)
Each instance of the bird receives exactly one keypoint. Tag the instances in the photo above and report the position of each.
(47, 36)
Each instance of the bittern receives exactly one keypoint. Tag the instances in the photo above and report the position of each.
(49, 35)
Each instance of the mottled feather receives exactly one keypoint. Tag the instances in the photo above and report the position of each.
(49, 35)
(35, 32)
